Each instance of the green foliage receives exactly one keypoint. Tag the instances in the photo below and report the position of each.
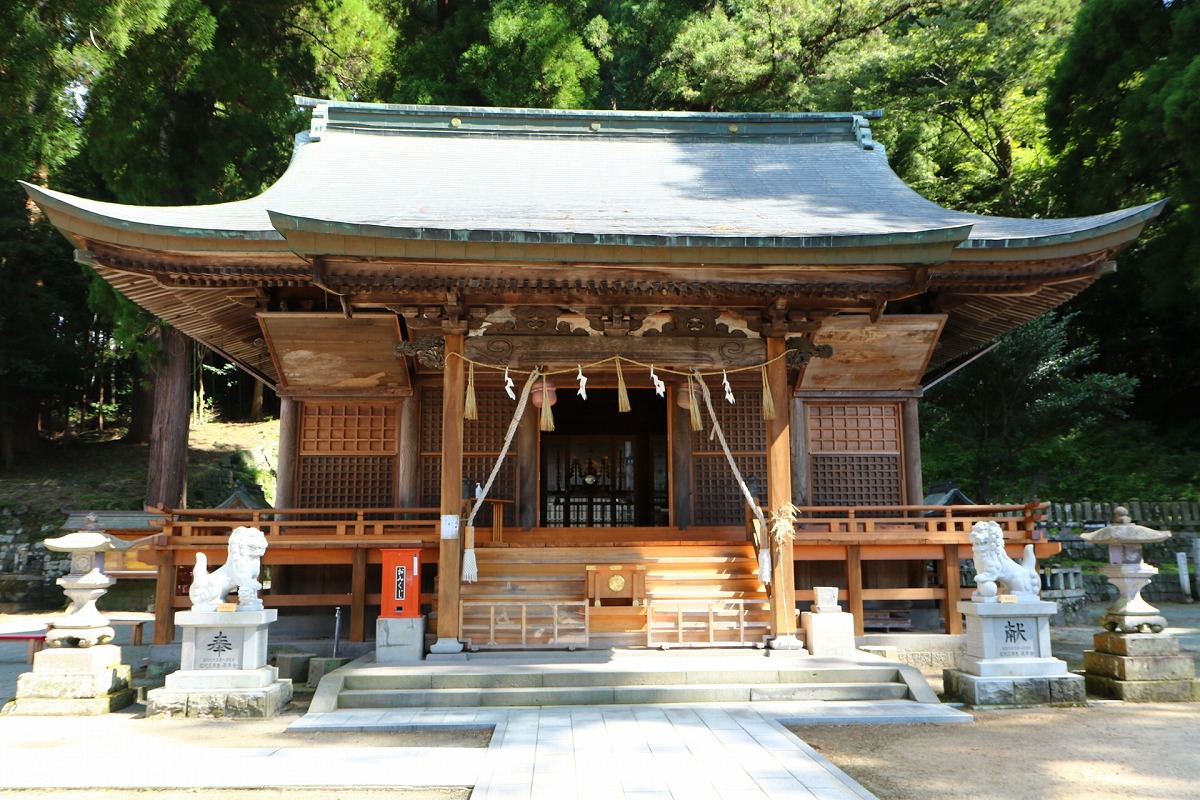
(537, 53)
(964, 87)
(991, 425)
(764, 55)
(1124, 108)
(351, 42)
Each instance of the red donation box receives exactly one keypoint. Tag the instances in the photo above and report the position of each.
(401, 594)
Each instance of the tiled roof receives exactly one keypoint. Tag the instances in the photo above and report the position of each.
(796, 180)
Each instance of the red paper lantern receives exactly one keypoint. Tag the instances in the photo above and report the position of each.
(543, 388)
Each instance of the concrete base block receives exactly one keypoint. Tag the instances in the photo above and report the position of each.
(1174, 691)
(293, 666)
(1139, 668)
(1136, 644)
(889, 652)
(320, 667)
(84, 681)
(214, 680)
(399, 640)
(249, 703)
(828, 633)
(1014, 690)
(69, 707)
(1012, 667)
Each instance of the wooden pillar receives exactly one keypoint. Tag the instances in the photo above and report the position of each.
(289, 445)
(911, 431)
(950, 581)
(779, 493)
(408, 465)
(854, 587)
(358, 595)
(681, 466)
(450, 548)
(164, 596)
(799, 453)
(527, 470)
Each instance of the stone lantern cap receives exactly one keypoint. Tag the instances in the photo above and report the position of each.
(86, 541)
(1123, 531)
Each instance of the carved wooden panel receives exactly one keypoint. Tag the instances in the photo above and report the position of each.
(853, 427)
(338, 427)
(482, 440)
(856, 480)
(347, 454)
(855, 453)
(346, 482)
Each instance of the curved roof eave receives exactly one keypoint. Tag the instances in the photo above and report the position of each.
(1024, 233)
(120, 217)
(290, 222)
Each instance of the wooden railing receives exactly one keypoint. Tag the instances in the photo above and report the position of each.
(537, 625)
(707, 623)
(192, 526)
(914, 523)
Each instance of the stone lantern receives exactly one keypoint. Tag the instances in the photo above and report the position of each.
(83, 625)
(1129, 574)
(82, 673)
(1134, 659)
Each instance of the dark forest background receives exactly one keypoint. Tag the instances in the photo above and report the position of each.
(1033, 108)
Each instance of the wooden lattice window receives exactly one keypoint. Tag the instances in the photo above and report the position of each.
(347, 482)
(716, 498)
(347, 454)
(482, 440)
(854, 452)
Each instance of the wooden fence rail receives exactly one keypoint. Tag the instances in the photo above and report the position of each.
(1168, 514)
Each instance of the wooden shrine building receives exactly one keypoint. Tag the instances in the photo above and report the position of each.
(411, 259)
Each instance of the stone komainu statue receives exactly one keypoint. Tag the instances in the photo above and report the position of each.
(995, 572)
(240, 572)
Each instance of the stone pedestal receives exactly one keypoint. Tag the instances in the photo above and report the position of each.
(828, 633)
(224, 670)
(1008, 659)
(1140, 668)
(73, 681)
(399, 639)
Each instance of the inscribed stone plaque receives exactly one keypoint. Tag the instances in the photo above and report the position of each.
(1016, 638)
(220, 648)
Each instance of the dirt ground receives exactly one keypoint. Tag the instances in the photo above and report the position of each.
(1106, 751)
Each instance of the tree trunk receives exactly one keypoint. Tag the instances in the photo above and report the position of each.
(141, 411)
(167, 483)
(256, 402)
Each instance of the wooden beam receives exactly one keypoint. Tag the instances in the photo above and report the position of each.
(854, 587)
(910, 431)
(779, 491)
(450, 543)
(525, 352)
(680, 468)
(408, 467)
(289, 442)
(527, 470)
(164, 595)
(950, 581)
(358, 596)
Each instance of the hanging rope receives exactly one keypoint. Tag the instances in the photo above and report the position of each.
(764, 553)
(470, 571)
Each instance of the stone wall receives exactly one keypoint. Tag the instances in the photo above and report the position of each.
(27, 569)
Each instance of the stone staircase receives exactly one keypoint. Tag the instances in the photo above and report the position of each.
(615, 677)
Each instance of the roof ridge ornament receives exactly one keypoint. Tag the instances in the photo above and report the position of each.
(319, 122)
(862, 132)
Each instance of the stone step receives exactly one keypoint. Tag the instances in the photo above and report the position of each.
(619, 695)
(384, 679)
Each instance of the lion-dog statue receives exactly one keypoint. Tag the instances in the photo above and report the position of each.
(240, 572)
(994, 570)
